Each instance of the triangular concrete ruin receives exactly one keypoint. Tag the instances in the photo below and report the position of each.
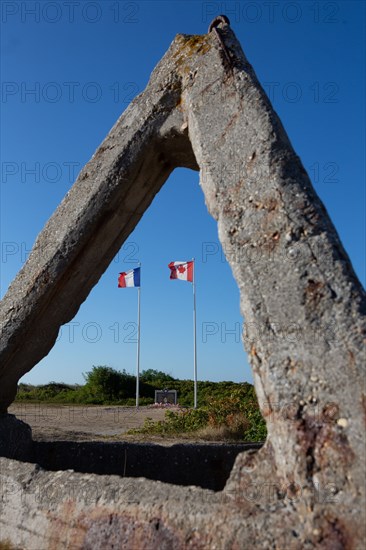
(303, 305)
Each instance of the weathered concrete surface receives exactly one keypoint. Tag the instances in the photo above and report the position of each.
(303, 305)
(55, 510)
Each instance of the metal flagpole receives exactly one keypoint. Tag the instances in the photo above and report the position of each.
(194, 334)
(138, 344)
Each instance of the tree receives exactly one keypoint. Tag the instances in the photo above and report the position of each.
(109, 384)
(156, 376)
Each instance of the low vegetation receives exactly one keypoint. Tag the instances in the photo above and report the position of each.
(235, 417)
(227, 410)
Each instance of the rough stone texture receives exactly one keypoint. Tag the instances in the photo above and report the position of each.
(56, 510)
(303, 305)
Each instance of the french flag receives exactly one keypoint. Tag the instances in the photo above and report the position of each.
(182, 271)
(129, 278)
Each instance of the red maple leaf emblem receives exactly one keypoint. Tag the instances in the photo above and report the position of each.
(181, 268)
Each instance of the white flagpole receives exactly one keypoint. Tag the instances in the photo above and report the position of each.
(194, 334)
(138, 344)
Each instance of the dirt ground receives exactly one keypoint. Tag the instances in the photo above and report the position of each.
(98, 423)
(84, 423)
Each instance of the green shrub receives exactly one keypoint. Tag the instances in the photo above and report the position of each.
(183, 421)
(230, 418)
(157, 377)
(107, 384)
(48, 392)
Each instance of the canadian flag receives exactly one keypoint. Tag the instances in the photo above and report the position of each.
(182, 271)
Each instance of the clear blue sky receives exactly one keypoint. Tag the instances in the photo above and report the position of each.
(85, 61)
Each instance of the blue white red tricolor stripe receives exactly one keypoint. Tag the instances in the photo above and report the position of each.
(129, 278)
(182, 270)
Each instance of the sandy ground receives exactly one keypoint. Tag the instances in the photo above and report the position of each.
(84, 423)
